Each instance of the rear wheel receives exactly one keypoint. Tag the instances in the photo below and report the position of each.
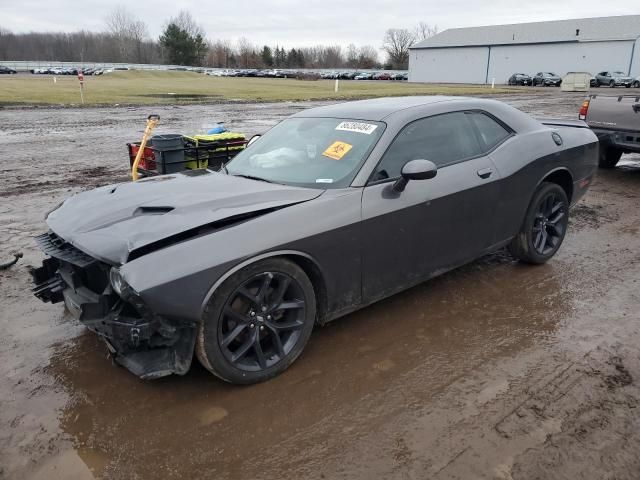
(636, 84)
(609, 156)
(544, 226)
(258, 322)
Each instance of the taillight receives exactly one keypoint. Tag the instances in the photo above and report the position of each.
(583, 110)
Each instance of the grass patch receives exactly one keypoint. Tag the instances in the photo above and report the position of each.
(144, 88)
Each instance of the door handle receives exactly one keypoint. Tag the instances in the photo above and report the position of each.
(485, 173)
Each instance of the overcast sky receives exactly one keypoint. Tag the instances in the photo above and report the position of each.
(303, 23)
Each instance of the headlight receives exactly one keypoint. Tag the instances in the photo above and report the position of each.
(116, 280)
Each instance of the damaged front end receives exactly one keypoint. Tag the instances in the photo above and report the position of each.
(148, 345)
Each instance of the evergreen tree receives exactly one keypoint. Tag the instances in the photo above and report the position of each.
(181, 47)
(267, 56)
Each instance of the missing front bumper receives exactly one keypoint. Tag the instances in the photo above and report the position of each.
(148, 345)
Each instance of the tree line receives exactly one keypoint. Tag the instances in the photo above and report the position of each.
(183, 42)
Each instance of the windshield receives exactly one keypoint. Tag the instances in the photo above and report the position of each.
(620, 74)
(549, 74)
(309, 152)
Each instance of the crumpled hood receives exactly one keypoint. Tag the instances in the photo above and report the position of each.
(110, 222)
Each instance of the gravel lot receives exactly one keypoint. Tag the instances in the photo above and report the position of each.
(495, 370)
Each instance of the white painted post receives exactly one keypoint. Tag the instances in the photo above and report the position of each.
(337, 87)
(493, 83)
(54, 80)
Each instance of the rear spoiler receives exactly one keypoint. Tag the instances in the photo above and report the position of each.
(563, 122)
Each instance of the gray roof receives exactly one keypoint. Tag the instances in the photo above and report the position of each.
(625, 27)
(374, 109)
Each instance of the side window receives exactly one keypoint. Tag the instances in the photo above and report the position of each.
(443, 139)
(491, 132)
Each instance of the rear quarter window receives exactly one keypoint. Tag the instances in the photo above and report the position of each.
(491, 132)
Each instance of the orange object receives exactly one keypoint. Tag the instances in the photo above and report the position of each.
(152, 121)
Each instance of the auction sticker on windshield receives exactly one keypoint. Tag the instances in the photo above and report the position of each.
(337, 150)
(357, 127)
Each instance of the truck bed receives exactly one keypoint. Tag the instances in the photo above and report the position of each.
(614, 112)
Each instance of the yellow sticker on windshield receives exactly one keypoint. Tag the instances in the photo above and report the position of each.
(337, 150)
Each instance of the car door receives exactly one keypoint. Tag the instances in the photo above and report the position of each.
(433, 225)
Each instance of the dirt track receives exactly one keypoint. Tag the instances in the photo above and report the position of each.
(496, 370)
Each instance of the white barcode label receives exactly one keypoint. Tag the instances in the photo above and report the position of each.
(358, 127)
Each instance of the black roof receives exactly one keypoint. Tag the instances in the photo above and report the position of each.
(375, 109)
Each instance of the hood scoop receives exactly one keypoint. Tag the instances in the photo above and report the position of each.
(152, 211)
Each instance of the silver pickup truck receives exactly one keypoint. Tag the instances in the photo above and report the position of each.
(615, 119)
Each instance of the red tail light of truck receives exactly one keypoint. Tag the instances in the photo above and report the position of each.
(583, 110)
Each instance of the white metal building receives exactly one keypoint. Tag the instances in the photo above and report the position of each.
(480, 54)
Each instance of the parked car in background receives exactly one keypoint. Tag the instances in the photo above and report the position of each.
(613, 79)
(363, 76)
(329, 75)
(520, 79)
(6, 70)
(636, 82)
(400, 76)
(546, 79)
(348, 75)
(381, 76)
(615, 119)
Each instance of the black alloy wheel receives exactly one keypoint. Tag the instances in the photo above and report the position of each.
(262, 321)
(257, 322)
(549, 224)
(544, 226)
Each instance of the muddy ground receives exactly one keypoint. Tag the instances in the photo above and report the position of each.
(495, 370)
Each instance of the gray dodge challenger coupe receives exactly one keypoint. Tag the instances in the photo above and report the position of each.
(331, 210)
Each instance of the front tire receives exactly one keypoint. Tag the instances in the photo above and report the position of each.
(258, 322)
(636, 84)
(612, 84)
(544, 226)
(609, 156)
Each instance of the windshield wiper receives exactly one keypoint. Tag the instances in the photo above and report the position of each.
(251, 177)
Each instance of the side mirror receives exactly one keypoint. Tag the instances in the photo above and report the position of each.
(415, 170)
(252, 140)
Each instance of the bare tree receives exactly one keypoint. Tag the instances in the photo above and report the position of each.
(332, 57)
(5, 36)
(246, 51)
(129, 33)
(220, 54)
(367, 57)
(423, 31)
(397, 42)
(186, 22)
(352, 56)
